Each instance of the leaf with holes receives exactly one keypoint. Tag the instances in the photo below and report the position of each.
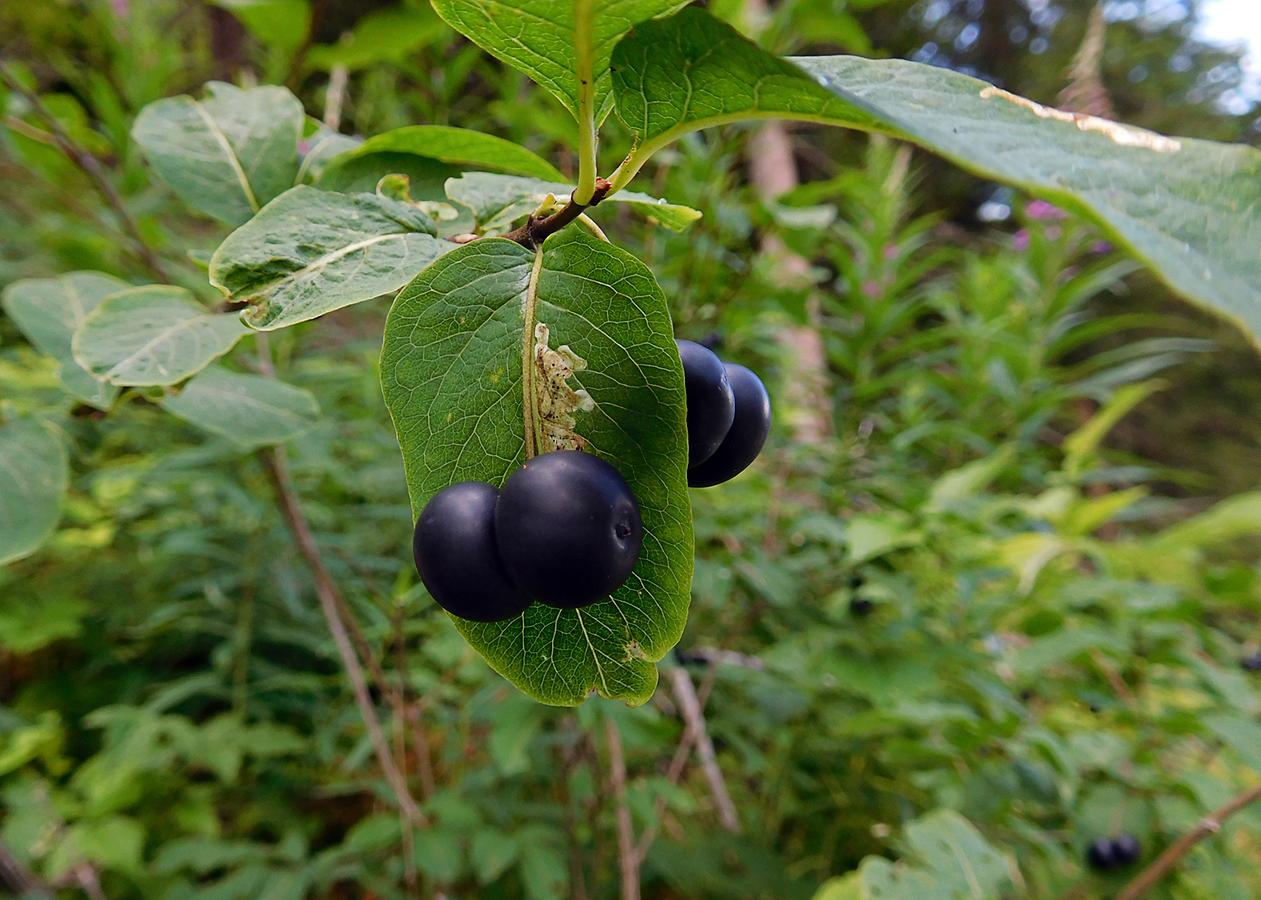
(452, 374)
(33, 478)
(152, 336)
(499, 200)
(1191, 209)
(225, 155)
(49, 311)
(310, 252)
(537, 37)
(248, 410)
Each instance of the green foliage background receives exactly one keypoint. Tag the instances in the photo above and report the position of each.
(1041, 467)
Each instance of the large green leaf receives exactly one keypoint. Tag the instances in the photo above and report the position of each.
(1191, 209)
(310, 252)
(248, 410)
(225, 155)
(33, 477)
(49, 311)
(460, 147)
(451, 371)
(499, 200)
(537, 37)
(153, 335)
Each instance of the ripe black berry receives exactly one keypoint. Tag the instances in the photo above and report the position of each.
(711, 406)
(568, 528)
(458, 559)
(1126, 849)
(748, 432)
(1101, 855)
(1251, 663)
(861, 607)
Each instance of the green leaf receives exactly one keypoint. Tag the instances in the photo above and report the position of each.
(248, 410)
(1191, 209)
(226, 155)
(457, 146)
(386, 34)
(152, 336)
(310, 252)
(492, 852)
(499, 200)
(49, 310)
(451, 371)
(280, 23)
(537, 37)
(34, 474)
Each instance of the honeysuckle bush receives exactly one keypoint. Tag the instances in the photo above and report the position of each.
(1048, 658)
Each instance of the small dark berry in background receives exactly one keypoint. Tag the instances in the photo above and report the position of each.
(861, 607)
(458, 558)
(749, 430)
(568, 528)
(1101, 856)
(712, 341)
(1126, 849)
(711, 406)
(1251, 663)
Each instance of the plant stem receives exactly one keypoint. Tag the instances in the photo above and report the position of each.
(690, 708)
(585, 52)
(535, 231)
(1206, 827)
(91, 167)
(628, 859)
(276, 466)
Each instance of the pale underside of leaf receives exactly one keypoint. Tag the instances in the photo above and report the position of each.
(309, 252)
(152, 336)
(1191, 209)
(33, 478)
(453, 372)
(248, 410)
(227, 154)
(49, 311)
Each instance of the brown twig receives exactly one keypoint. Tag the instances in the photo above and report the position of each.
(535, 231)
(628, 859)
(1206, 827)
(331, 603)
(690, 708)
(17, 878)
(91, 167)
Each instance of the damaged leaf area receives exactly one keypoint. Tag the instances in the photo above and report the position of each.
(556, 400)
(309, 252)
(469, 373)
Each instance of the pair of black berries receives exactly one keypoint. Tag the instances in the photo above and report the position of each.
(566, 530)
(728, 416)
(1107, 854)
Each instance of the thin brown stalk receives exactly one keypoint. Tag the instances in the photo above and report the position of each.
(17, 878)
(331, 603)
(628, 859)
(91, 167)
(1174, 853)
(690, 708)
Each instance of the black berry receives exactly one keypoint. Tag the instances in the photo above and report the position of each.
(1251, 663)
(861, 607)
(711, 406)
(568, 528)
(748, 432)
(458, 559)
(1101, 855)
(1126, 849)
